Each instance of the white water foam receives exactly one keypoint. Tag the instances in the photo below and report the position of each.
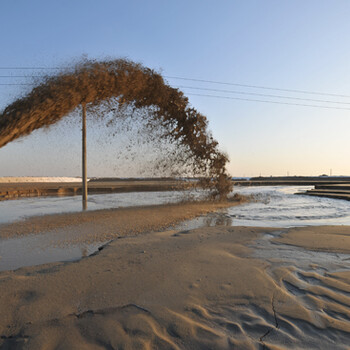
(278, 206)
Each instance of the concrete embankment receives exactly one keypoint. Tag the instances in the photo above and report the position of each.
(337, 187)
(337, 191)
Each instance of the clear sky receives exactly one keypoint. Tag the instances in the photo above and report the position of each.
(290, 44)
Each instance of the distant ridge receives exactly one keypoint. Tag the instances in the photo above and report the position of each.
(302, 178)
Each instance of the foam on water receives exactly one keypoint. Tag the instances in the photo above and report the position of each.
(278, 206)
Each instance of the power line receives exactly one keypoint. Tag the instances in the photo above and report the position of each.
(21, 76)
(265, 101)
(193, 79)
(26, 68)
(217, 90)
(15, 84)
(258, 86)
(246, 99)
(263, 95)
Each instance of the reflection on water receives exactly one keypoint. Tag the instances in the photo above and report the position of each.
(271, 206)
(220, 218)
(39, 249)
(14, 210)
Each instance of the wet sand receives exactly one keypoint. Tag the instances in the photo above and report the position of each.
(209, 288)
(101, 225)
(325, 238)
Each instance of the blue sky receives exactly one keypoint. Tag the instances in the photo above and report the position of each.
(290, 44)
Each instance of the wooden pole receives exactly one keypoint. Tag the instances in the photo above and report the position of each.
(84, 175)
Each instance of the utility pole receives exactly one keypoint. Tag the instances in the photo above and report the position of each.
(84, 175)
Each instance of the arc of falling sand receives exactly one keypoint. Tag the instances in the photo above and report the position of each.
(92, 82)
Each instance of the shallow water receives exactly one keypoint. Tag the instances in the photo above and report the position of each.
(40, 249)
(278, 206)
(18, 209)
(272, 206)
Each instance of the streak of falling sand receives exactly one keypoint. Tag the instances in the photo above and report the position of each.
(196, 289)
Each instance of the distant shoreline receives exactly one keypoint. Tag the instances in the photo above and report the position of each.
(35, 189)
(21, 187)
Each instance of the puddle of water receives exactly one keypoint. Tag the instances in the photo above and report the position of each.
(30, 250)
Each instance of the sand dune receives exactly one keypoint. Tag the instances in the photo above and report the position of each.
(199, 289)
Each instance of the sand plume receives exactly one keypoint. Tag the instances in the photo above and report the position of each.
(121, 84)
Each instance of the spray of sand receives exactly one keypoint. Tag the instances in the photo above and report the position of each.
(119, 85)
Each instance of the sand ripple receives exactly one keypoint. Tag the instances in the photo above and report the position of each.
(199, 289)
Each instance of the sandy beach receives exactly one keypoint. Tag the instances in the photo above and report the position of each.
(209, 288)
(174, 175)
